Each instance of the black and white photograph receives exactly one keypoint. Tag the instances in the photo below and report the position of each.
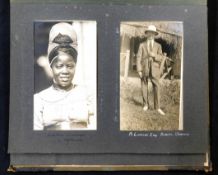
(151, 54)
(65, 73)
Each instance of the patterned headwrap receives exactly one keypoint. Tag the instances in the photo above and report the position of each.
(62, 35)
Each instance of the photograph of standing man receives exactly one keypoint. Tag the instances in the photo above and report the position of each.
(149, 59)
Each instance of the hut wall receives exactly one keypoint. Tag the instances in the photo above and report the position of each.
(125, 45)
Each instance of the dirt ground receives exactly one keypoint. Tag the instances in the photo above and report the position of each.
(132, 116)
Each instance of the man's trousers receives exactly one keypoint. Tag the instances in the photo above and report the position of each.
(156, 91)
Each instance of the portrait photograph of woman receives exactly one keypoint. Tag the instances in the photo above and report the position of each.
(65, 75)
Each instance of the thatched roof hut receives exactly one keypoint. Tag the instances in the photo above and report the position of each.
(170, 37)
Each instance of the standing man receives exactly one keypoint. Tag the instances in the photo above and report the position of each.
(149, 58)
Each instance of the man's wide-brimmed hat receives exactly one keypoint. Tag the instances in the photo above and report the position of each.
(152, 29)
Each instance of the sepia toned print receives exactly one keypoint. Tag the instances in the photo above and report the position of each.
(65, 86)
(150, 75)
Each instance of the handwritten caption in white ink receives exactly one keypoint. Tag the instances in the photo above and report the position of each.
(159, 134)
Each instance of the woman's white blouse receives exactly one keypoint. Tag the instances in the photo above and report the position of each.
(53, 106)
